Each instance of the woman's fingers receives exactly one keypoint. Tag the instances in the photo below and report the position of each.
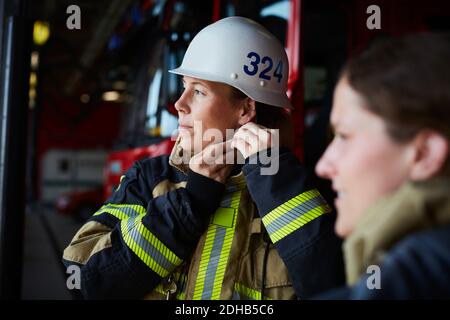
(212, 154)
(242, 146)
(252, 138)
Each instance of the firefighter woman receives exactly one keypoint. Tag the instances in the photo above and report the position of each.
(183, 227)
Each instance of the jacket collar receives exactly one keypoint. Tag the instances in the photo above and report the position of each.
(415, 207)
(178, 158)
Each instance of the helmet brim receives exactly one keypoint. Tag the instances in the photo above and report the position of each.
(270, 98)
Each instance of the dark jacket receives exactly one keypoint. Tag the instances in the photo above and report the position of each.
(416, 268)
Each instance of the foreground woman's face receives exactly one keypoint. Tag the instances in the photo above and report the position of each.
(362, 161)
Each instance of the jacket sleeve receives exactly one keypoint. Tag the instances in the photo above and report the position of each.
(134, 241)
(298, 221)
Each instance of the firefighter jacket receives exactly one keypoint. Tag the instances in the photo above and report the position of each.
(168, 232)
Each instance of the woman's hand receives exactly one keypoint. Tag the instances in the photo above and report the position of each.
(252, 138)
(215, 161)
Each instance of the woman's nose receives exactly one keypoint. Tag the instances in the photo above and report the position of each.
(180, 105)
(325, 167)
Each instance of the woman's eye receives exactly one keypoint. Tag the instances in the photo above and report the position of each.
(341, 136)
(198, 92)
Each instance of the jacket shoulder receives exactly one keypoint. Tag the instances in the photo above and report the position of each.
(426, 250)
(137, 183)
(417, 267)
(156, 169)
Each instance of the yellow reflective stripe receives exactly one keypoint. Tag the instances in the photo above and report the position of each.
(299, 222)
(216, 250)
(290, 204)
(147, 247)
(181, 284)
(159, 289)
(168, 254)
(122, 211)
(114, 212)
(207, 248)
(226, 247)
(295, 213)
(246, 293)
(181, 295)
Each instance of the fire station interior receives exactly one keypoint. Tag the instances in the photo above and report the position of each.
(86, 86)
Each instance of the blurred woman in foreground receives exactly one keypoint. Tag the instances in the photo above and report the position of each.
(389, 165)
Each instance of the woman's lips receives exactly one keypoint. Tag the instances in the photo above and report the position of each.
(339, 196)
(337, 202)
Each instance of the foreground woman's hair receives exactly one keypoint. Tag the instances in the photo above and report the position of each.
(408, 104)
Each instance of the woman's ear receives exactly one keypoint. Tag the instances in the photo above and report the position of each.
(432, 153)
(247, 111)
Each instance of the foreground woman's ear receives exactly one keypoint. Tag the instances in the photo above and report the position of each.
(431, 155)
(248, 111)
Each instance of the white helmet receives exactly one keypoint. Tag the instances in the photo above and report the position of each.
(243, 54)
